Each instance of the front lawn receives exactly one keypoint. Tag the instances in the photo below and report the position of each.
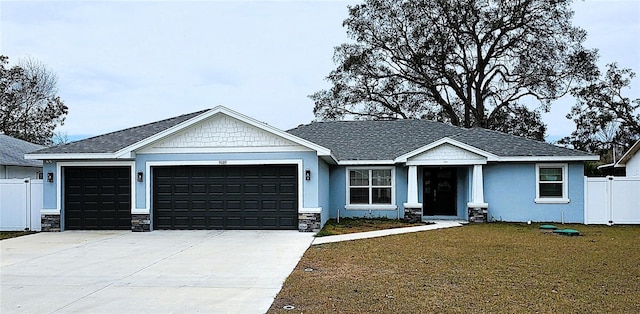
(353, 225)
(478, 268)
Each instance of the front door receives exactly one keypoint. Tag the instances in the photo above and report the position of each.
(439, 192)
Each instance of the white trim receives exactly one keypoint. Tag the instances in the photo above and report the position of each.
(477, 205)
(445, 162)
(412, 205)
(310, 210)
(60, 165)
(447, 140)
(565, 185)
(210, 150)
(549, 158)
(297, 162)
(365, 162)
(370, 206)
(628, 154)
(70, 156)
(552, 200)
(50, 212)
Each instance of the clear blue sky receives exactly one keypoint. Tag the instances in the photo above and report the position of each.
(126, 63)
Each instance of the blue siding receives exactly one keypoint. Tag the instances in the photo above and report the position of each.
(323, 191)
(49, 188)
(510, 190)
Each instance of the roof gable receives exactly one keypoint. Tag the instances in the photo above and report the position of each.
(629, 154)
(446, 152)
(221, 132)
(125, 143)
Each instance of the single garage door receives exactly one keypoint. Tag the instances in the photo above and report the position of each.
(225, 197)
(97, 198)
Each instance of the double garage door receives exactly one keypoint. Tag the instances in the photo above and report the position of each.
(186, 197)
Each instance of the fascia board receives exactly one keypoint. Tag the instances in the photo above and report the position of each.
(632, 151)
(549, 158)
(446, 140)
(71, 156)
(365, 162)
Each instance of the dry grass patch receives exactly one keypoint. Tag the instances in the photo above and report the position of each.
(505, 268)
(353, 225)
(14, 234)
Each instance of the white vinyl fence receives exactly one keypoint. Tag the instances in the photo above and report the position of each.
(20, 204)
(612, 200)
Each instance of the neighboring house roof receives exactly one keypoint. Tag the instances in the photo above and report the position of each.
(13, 150)
(628, 155)
(387, 140)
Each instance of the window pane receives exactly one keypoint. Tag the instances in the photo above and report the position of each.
(381, 177)
(381, 196)
(550, 189)
(550, 174)
(359, 196)
(359, 177)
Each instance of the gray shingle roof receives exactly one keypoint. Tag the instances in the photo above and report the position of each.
(373, 140)
(386, 140)
(115, 141)
(502, 144)
(12, 152)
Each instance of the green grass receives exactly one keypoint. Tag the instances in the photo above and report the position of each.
(14, 234)
(478, 268)
(353, 225)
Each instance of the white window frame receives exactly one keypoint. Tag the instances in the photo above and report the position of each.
(349, 206)
(564, 199)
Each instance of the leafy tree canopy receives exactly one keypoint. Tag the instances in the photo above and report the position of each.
(471, 63)
(605, 118)
(30, 108)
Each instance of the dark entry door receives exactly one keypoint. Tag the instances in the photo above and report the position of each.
(439, 192)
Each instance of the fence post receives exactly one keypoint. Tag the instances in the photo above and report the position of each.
(610, 199)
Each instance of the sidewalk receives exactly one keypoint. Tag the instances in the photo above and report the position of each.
(381, 233)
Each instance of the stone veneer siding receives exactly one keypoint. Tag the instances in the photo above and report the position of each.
(477, 215)
(309, 222)
(140, 222)
(413, 215)
(50, 223)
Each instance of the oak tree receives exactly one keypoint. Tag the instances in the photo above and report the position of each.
(473, 63)
(605, 118)
(30, 108)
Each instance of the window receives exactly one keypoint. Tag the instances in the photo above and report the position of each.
(370, 188)
(551, 183)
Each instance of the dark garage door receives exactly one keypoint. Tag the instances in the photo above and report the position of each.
(97, 198)
(225, 197)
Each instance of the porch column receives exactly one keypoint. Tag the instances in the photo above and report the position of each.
(477, 206)
(412, 209)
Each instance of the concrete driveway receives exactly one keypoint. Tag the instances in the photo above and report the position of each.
(155, 272)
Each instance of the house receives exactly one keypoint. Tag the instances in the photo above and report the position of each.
(219, 169)
(13, 165)
(630, 161)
